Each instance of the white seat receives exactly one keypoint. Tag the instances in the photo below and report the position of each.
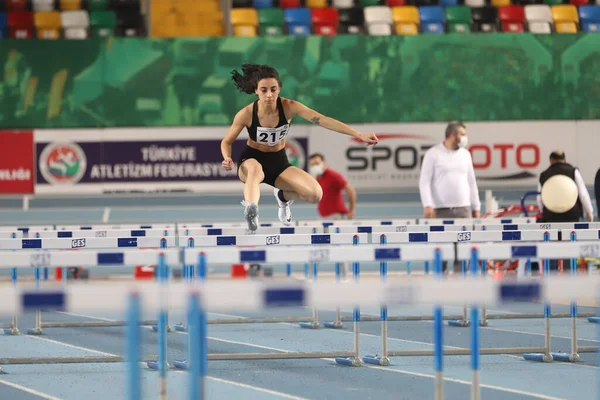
(378, 14)
(76, 33)
(75, 19)
(379, 29)
(43, 5)
(538, 13)
(540, 27)
(343, 3)
(475, 3)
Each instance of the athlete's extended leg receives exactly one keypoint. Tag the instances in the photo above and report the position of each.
(295, 184)
(252, 175)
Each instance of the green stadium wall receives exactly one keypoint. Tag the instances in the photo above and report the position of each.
(358, 79)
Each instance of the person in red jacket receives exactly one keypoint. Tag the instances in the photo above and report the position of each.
(332, 205)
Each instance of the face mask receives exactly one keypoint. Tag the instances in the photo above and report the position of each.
(464, 142)
(316, 170)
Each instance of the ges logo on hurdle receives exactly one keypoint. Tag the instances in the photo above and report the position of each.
(463, 237)
(77, 243)
(273, 240)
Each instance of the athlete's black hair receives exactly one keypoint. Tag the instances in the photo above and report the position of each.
(251, 74)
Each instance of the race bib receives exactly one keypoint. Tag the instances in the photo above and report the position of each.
(271, 136)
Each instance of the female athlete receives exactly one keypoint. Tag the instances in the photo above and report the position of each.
(264, 160)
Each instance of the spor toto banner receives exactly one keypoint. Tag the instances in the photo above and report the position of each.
(127, 164)
(16, 162)
(505, 154)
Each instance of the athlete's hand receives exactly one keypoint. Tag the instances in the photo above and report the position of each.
(369, 138)
(228, 164)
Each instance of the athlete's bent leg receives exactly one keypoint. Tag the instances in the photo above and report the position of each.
(252, 175)
(299, 185)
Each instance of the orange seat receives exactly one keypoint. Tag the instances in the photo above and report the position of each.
(70, 5)
(48, 24)
(406, 20)
(565, 18)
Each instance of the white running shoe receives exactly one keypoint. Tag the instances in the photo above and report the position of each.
(251, 215)
(285, 212)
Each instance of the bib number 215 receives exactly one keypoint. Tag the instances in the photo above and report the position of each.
(272, 136)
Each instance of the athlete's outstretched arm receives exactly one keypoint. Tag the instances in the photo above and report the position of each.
(317, 118)
(232, 134)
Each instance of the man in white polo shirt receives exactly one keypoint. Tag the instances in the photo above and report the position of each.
(447, 183)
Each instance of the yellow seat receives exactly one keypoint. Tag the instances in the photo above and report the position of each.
(70, 5)
(406, 20)
(500, 3)
(244, 30)
(47, 24)
(244, 16)
(565, 18)
(316, 3)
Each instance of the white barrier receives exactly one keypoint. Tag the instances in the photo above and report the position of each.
(346, 222)
(269, 230)
(26, 229)
(476, 221)
(541, 226)
(471, 236)
(99, 233)
(276, 240)
(11, 234)
(114, 226)
(585, 234)
(395, 228)
(82, 243)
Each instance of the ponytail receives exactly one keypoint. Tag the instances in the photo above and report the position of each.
(247, 81)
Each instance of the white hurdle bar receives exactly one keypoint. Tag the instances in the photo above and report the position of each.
(103, 233)
(276, 240)
(269, 230)
(540, 226)
(114, 226)
(475, 221)
(87, 242)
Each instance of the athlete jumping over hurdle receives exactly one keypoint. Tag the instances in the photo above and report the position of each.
(264, 160)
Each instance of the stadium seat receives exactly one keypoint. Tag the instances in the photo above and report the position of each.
(396, 3)
(298, 21)
(565, 18)
(16, 5)
(289, 3)
(20, 24)
(475, 3)
(244, 21)
(103, 23)
(500, 3)
(369, 3)
(512, 18)
(352, 20)
(131, 24)
(553, 2)
(539, 18)
(459, 19)
(432, 19)
(449, 3)
(259, 4)
(75, 24)
(97, 5)
(43, 5)
(325, 21)
(589, 17)
(316, 3)
(271, 21)
(406, 20)
(379, 20)
(485, 19)
(242, 4)
(342, 4)
(579, 2)
(70, 5)
(527, 2)
(3, 25)
(48, 24)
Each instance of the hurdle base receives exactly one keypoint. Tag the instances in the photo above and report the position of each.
(35, 331)
(349, 361)
(595, 320)
(154, 365)
(180, 364)
(374, 360)
(538, 357)
(566, 357)
(333, 325)
(12, 331)
(483, 323)
(460, 323)
(309, 325)
(181, 328)
(155, 328)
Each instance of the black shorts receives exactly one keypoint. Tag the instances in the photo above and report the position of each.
(273, 164)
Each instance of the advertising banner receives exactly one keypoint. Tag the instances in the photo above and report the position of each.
(141, 160)
(16, 162)
(505, 154)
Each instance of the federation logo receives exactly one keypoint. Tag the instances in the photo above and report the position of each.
(62, 163)
(295, 153)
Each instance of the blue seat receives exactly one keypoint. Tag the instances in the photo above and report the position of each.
(449, 3)
(432, 19)
(298, 20)
(263, 4)
(589, 17)
(3, 25)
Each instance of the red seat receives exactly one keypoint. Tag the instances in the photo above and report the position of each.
(512, 18)
(16, 5)
(21, 24)
(325, 21)
(289, 4)
(396, 3)
(579, 2)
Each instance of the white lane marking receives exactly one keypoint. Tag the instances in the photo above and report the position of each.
(258, 389)
(28, 390)
(72, 346)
